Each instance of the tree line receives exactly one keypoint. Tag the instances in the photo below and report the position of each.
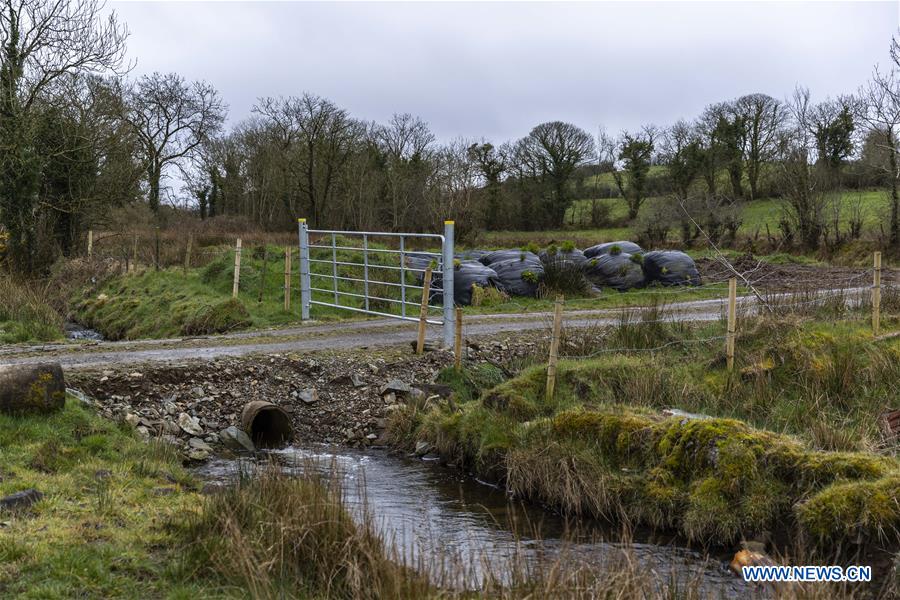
(80, 137)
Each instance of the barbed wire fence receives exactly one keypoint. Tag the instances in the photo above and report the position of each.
(872, 287)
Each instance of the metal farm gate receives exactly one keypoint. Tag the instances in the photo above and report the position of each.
(357, 266)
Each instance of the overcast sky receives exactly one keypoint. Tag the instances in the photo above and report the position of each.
(495, 70)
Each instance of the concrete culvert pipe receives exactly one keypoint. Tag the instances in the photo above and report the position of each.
(267, 424)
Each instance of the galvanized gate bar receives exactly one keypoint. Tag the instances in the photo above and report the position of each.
(443, 260)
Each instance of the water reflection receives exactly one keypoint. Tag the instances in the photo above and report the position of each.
(423, 510)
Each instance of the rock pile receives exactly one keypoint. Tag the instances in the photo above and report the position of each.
(341, 399)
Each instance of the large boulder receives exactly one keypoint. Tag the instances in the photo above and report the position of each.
(621, 247)
(35, 388)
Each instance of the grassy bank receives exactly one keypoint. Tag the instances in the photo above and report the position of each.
(98, 532)
(25, 315)
(792, 446)
(171, 303)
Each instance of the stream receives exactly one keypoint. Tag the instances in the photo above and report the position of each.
(76, 331)
(424, 510)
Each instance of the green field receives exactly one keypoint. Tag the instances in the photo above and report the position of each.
(755, 216)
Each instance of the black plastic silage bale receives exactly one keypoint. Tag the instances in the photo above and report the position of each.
(519, 277)
(465, 274)
(574, 258)
(670, 267)
(618, 271)
(623, 247)
(502, 255)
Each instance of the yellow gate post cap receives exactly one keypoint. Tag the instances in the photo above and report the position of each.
(301, 220)
(449, 222)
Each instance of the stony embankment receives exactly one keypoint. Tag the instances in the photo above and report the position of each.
(331, 397)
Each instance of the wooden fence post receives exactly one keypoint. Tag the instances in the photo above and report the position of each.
(157, 249)
(287, 279)
(732, 322)
(423, 312)
(262, 280)
(187, 253)
(554, 347)
(457, 342)
(134, 254)
(237, 269)
(90, 243)
(876, 297)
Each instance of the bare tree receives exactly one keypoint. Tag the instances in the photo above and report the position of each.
(491, 163)
(801, 186)
(171, 118)
(405, 143)
(552, 152)
(322, 136)
(878, 109)
(762, 117)
(40, 42)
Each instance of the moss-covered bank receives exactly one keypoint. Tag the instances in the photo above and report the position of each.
(602, 447)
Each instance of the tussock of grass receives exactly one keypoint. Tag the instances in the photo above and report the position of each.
(25, 315)
(276, 536)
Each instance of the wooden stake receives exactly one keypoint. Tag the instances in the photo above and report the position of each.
(457, 342)
(134, 254)
(732, 321)
(262, 280)
(287, 279)
(554, 347)
(876, 297)
(187, 253)
(237, 269)
(157, 248)
(423, 312)
(90, 243)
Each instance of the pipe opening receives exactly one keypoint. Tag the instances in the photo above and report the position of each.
(267, 424)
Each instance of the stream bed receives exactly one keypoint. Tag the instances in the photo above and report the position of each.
(425, 510)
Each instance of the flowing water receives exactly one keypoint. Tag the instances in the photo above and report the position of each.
(423, 509)
(75, 331)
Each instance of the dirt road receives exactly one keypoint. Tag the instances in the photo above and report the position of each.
(326, 336)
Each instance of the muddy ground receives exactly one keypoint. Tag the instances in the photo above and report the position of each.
(792, 276)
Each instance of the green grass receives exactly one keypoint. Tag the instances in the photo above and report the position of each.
(99, 530)
(25, 315)
(170, 302)
(793, 444)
